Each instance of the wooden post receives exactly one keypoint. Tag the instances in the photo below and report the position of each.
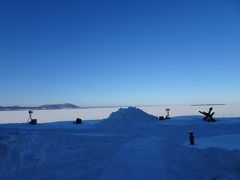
(191, 138)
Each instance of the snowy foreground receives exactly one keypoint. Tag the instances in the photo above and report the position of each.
(129, 145)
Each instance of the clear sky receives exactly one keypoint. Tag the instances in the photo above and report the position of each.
(118, 52)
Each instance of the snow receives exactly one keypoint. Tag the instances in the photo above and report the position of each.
(44, 116)
(128, 119)
(127, 144)
(229, 142)
(138, 159)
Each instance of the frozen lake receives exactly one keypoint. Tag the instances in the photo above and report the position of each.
(229, 110)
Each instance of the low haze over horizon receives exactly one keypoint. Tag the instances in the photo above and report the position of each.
(95, 53)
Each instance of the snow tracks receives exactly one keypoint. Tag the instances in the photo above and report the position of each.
(137, 159)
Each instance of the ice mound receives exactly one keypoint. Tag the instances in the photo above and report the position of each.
(129, 117)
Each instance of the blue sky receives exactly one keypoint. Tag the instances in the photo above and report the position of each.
(97, 52)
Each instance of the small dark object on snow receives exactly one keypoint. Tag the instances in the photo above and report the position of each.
(191, 138)
(30, 114)
(161, 117)
(167, 116)
(33, 122)
(30, 119)
(208, 116)
(78, 121)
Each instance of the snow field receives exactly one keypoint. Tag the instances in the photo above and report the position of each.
(130, 144)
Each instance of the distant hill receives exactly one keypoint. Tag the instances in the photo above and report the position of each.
(43, 107)
(59, 106)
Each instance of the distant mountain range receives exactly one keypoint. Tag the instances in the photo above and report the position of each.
(43, 107)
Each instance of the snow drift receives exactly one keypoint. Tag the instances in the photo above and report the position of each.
(205, 164)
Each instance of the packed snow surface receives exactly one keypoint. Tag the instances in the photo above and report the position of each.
(129, 144)
(43, 116)
(230, 142)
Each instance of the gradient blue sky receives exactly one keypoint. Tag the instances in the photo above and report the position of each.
(98, 52)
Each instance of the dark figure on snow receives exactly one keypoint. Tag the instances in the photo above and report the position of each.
(208, 116)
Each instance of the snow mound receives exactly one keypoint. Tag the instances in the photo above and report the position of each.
(129, 117)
